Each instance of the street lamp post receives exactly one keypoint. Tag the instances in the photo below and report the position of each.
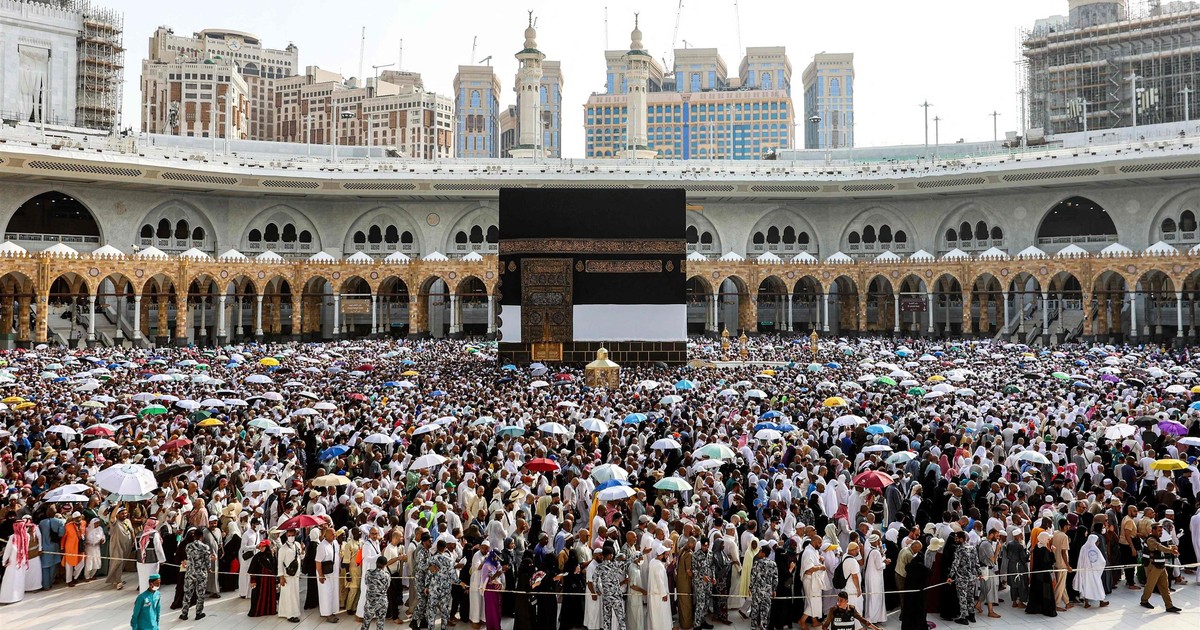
(926, 105)
(344, 114)
(816, 121)
(1133, 79)
(936, 135)
(1186, 92)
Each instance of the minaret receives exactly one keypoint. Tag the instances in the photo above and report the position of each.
(637, 79)
(529, 99)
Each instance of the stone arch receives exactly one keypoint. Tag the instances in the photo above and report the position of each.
(17, 299)
(698, 292)
(806, 303)
(845, 306)
(974, 214)
(268, 229)
(881, 304)
(481, 216)
(383, 218)
(56, 213)
(1180, 213)
(771, 304)
(176, 212)
(702, 227)
(1110, 307)
(948, 316)
(987, 304)
(432, 312)
(394, 305)
(771, 233)
(735, 304)
(863, 234)
(1078, 220)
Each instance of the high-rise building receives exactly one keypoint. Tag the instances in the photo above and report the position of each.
(550, 111)
(508, 130)
(829, 101)
(229, 72)
(476, 112)
(697, 111)
(64, 63)
(1116, 66)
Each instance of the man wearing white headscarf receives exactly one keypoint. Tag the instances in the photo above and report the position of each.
(874, 608)
(658, 613)
(1088, 574)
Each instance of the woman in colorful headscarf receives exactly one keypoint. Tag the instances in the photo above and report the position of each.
(493, 588)
(150, 553)
(16, 561)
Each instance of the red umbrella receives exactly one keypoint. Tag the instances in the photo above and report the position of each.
(366, 367)
(98, 431)
(541, 464)
(564, 377)
(873, 480)
(176, 444)
(356, 396)
(304, 520)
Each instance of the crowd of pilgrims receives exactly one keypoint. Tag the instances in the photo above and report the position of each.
(466, 511)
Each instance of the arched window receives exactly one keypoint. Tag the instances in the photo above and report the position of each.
(181, 229)
(692, 235)
(289, 233)
(460, 238)
(869, 234)
(391, 235)
(1187, 221)
(964, 231)
(835, 87)
(164, 229)
(765, 81)
(255, 236)
(951, 236)
(271, 234)
(773, 235)
(198, 234)
(147, 231)
(493, 234)
(997, 233)
(360, 237)
(406, 238)
(885, 234)
(1168, 226)
(900, 237)
(789, 235)
(305, 236)
(854, 238)
(706, 238)
(474, 98)
(981, 231)
(476, 234)
(802, 238)
(374, 235)
(759, 239)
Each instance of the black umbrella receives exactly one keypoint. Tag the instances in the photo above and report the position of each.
(171, 471)
(1136, 382)
(1032, 375)
(1145, 421)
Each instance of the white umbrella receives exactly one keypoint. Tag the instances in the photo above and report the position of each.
(605, 472)
(259, 379)
(63, 429)
(848, 421)
(273, 396)
(100, 443)
(616, 493)
(670, 399)
(280, 431)
(648, 385)
(262, 485)
(87, 387)
(306, 411)
(1177, 389)
(901, 457)
(567, 403)
(427, 461)
(1119, 431)
(70, 488)
(126, 479)
(104, 399)
(236, 402)
(877, 448)
(187, 405)
(142, 397)
(594, 425)
(768, 435)
(755, 393)
(1032, 456)
(665, 444)
(554, 428)
(705, 464)
(323, 406)
(426, 428)
(379, 438)
(66, 498)
(212, 402)
(932, 395)
(537, 384)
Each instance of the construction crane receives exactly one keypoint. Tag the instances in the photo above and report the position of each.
(737, 16)
(487, 60)
(669, 68)
(474, 40)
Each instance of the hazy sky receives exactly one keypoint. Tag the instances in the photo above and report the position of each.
(958, 54)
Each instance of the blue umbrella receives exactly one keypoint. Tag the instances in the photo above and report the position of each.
(1081, 384)
(765, 425)
(436, 393)
(1081, 362)
(408, 362)
(506, 379)
(770, 414)
(902, 353)
(60, 379)
(786, 428)
(939, 353)
(333, 451)
(879, 429)
(391, 384)
(685, 384)
(510, 368)
(634, 418)
(1195, 405)
(833, 365)
(610, 483)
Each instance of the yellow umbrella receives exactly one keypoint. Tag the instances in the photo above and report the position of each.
(93, 403)
(25, 405)
(835, 401)
(1196, 389)
(769, 372)
(409, 373)
(330, 481)
(210, 422)
(936, 378)
(13, 400)
(1027, 354)
(269, 361)
(1169, 464)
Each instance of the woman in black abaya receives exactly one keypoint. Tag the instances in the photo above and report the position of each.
(912, 614)
(1041, 585)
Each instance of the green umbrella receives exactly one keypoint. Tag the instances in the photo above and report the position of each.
(510, 431)
(1062, 376)
(714, 451)
(153, 410)
(673, 484)
(916, 391)
(1012, 389)
(885, 380)
(200, 414)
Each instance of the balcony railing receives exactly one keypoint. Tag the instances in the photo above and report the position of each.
(50, 238)
(869, 248)
(1087, 238)
(975, 244)
(779, 248)
(290, 248)
(174, 244)
(385, 248)
(1180, 237)
(465, 248)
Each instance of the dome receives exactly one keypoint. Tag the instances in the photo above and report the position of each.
(635, 38)
(530, 34)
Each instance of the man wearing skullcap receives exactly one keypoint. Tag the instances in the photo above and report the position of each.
(147, 606)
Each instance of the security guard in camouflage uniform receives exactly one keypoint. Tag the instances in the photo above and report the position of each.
(377, 581)
(613, 578)
(195, 582)
(764, 575)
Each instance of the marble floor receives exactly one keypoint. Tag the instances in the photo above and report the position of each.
(92, 606)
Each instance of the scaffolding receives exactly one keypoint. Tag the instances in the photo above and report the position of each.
(101, 71)
(1064, 70)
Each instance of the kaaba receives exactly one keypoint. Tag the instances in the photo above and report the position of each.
(582, 268)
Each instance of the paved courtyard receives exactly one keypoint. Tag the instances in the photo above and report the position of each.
(92, 606)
